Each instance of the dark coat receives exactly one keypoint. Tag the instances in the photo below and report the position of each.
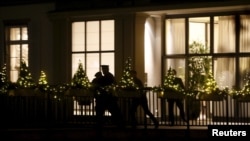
(179, 81)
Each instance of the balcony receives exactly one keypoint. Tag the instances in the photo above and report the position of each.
(37, 113)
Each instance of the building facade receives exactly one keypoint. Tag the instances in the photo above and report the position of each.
(55, 37)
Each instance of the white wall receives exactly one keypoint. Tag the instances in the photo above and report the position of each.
(153, 51)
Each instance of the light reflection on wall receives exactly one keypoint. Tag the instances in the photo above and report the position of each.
(152, 52)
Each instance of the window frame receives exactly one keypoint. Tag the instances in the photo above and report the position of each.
(8, 24)
(100, 52)
(236, 54)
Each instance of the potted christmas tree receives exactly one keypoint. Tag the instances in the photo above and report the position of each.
(80, 87)
(43, 85)
(25, 84)
(126, 86)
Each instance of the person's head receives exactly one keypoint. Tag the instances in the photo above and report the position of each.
(98, 74)
(105, 69)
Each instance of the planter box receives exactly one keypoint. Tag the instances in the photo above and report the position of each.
(23, 92)
(245, 98)
(128, 93)
(80, 92)
(211, 97)
(82, 96)
(170, 95)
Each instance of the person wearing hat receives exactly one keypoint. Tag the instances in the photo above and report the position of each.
(106, 101)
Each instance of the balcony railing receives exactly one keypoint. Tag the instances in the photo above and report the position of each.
(37, 109)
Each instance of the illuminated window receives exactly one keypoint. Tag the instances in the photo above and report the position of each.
(221, 41)
(17, 43)
(93, 45)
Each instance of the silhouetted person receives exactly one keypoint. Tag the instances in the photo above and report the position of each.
(96, 83)
(140, 101)
(179, 102)
(105, 100)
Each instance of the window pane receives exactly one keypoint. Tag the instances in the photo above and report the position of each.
(15, 57)
(224, 72)
(107, 35)
(225, 38)
(178, 65)
(24, 33)
(76, 59)
(245, 33)
(25, 55)
(92, 35)
(216, 34)
(15, 34)
(175, 36)
(244, 70)
(15, 51)
(93, 64)
(14, 62)
(199, 29)
(14, 75)
(78, 36)
(108, 59)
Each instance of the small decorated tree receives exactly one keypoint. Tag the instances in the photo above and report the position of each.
(169, 88)
(210, 86)
(43, 83)
(126, 81)
(127, 86)
(168, 82)
(4, 83)
(80, 79)
(25, 79)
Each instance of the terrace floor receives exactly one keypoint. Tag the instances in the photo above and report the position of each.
(163, 133)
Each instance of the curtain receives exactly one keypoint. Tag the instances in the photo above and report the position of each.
(175, 36)
(226, 37)
(244, 47)
(225, 67)
(245, 33)
(225, 72)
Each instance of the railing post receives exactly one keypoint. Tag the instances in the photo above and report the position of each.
(227, 110)
(49, 109)
(188, 125)
(163, 109)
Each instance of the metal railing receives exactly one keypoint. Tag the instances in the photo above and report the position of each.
(60, 109)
